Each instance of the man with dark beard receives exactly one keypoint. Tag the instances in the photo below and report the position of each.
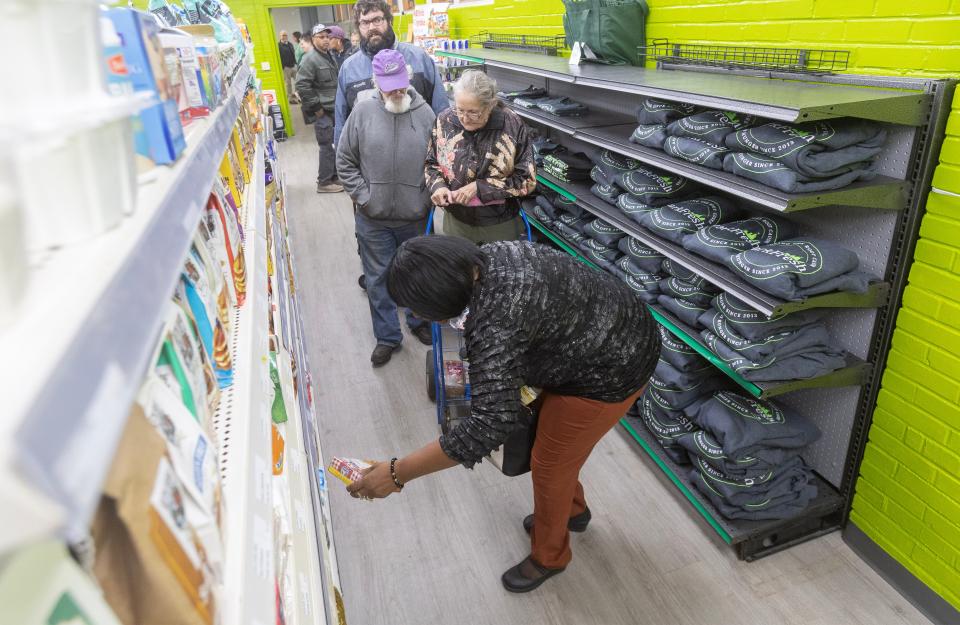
(380, 163)
(374, 22)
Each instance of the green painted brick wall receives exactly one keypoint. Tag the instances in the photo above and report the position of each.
(908, 495)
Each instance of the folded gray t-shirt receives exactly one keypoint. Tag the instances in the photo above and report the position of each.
(758, 460)
(665, 424)
(739, 423)
(785, 505)
(654, 189)
(607, 193)
(540, 215)
(654, 111)
(571, 235)
(699, 293)
(681, 356)
(675, 269)
(569, 207)
(751, 324)
(650, 135)
(632, 207)
(798, 268)
(809, 338)
(773, 173)
(687, 312)
(820, 149)
(797, 366)
(578, 223)
(696, 151)
(684, 217)
(642, 283)
(721, 241)
(643, 257)
(670, 377)
(601, 231)
(710, 126)
(548, 207)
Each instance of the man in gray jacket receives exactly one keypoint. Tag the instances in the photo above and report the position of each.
(317, 87)
(380, 162)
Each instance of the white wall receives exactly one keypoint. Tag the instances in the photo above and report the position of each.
(288, 20)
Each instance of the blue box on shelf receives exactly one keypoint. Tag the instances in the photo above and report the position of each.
(139, 36)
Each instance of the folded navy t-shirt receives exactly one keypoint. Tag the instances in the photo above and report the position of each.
(721, 241)
(679, 219)
(656, 189)
(738, 423)
(681, 356)
(645, 258)
(654, 111)
(751, 324)
(710, 126)
(601, 231)
(650, 135)
(696, 151)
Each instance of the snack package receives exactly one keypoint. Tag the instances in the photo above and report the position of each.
(347, 470)
(196, 290)
(184, 335)
(455, 378)
(278, 447)
(226, 246)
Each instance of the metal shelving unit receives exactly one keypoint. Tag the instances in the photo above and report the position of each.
(96, 310)
(790, 101)
(751, 539)
(879, 220)
(719, 276)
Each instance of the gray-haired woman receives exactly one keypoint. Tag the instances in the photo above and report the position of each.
(480, 163)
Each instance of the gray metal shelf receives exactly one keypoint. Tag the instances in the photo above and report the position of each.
(882, 192)
(717, 275)
(570, 125)
(752, 539)
(785, 100)
(99, 371)
(856, 372)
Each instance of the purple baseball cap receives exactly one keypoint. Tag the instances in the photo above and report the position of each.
(336, 32)
(390, 68)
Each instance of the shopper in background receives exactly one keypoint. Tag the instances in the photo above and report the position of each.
(288, 61)
(317, 86)
(378, 160)
(374, 22)
(340, 48)
(480, 163)
(355, 40)
(531, 316)
(306, 45)
(297, 47)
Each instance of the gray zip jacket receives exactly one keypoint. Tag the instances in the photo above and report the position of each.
(380, 160)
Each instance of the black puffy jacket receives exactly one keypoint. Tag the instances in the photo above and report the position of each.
(541, 318)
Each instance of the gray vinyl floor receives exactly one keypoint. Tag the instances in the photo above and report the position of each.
(434, 553)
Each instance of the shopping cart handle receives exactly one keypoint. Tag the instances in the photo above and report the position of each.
(433, 210)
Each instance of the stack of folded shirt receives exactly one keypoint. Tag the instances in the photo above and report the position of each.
(676, 220)
(789, 347)
(808, 157)
(611, 167)
(645, 283)
(653, 189)
(601, 231)
(607, 193)
(599, 254)
(568, 167)
(684, 294)
(681, 356)
(643, 257)
(796, 269)
(541, 147)
(653, 117)
(722, 241)
(575, 222)
(746, 461)
(666, 425)
(632, 207)
(562, 107)
(530, 102)
(540, 209)
(701, 138)
(529, 92)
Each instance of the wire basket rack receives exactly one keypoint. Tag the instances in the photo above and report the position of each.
(548, 45)
(803, 60)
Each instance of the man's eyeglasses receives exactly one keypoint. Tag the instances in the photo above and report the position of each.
(471, 115)
(373, 21)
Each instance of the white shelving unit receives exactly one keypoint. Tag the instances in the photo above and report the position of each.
(89, 323)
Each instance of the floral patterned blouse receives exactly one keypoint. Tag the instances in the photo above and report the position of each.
(499, 157)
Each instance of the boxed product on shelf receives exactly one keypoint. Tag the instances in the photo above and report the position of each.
(50, 75)
(13, 258)
(143, 54)
(42, 583)
(208, 57)
(149, 560)
(93, 167)
(181, 47)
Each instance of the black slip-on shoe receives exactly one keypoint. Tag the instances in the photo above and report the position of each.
(527, 576)
(575, 524)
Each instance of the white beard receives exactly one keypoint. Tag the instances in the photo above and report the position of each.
(398, 108)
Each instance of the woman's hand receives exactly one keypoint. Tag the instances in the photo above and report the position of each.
(441, 197)
(464, 194)
(376, 483)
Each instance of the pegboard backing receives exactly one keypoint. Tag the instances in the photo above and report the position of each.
(834, 411)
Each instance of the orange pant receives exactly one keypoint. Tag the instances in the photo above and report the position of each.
(567, 431)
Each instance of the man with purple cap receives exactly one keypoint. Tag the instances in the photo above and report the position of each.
(339, 45)
(380, 160)
(317, 87)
